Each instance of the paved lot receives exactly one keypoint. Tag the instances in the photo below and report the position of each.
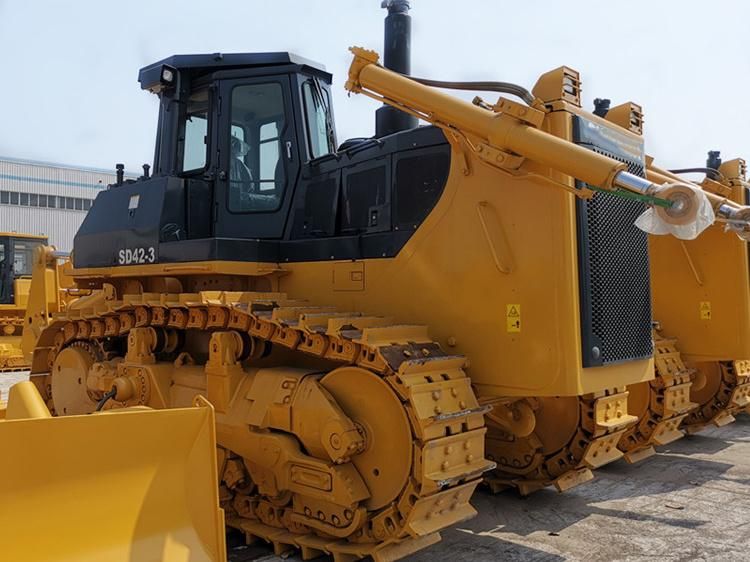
(690, 502)
(9, 379)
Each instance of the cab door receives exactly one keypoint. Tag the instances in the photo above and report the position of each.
(258, 157)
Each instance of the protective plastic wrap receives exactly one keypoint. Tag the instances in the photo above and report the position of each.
(739, 229)
(694, 215)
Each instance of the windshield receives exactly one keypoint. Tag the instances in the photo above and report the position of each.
(23, 256)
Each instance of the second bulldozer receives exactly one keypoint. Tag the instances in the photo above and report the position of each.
(702, 297)
(16, 258)
(701, 303)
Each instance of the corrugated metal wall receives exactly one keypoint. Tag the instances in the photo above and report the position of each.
(38, 178)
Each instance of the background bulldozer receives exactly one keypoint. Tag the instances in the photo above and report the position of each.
(709, 311)
(330, 301)
(700, 299)
(16, 258)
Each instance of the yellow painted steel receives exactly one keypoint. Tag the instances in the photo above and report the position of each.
(47, 295)
(136, 484)
(701, 293)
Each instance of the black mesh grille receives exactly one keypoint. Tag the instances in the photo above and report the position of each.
(614, 277)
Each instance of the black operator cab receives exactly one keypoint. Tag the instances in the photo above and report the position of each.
(246, 169)
(233, 126)
(16, 260)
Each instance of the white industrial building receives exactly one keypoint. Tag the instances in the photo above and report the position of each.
(48, 199)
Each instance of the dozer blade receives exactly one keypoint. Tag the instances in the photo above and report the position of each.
(126, 485)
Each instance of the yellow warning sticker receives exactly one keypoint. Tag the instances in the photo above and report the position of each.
(705, 310)
(513, 317)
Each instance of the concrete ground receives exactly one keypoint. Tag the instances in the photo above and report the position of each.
(689, 502)
(9, 379)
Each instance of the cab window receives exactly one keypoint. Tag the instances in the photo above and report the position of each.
(319, 133)
(256, 168)
(23, 256)
(194, 133)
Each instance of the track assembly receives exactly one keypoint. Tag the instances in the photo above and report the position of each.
(660, 405)
(391, 442)
(571, 437)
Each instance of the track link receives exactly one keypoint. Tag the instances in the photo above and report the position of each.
(731, 397)
(527, 464)
(666, 403)
(447, 422)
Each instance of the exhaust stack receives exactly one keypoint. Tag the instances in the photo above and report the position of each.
(396, 57)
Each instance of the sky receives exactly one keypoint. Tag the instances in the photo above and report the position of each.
(70, 92)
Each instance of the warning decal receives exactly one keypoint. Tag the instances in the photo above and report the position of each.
(513, 317)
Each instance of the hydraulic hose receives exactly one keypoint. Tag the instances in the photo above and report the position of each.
(483, 86)
(111, 394)
(710, 172)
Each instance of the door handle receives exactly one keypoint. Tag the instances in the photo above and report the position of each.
(289, 149)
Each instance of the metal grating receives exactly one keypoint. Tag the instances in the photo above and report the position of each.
(614, 277)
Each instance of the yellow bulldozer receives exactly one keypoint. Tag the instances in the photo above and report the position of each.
(353, 312)
(16, 256)
(702, 313)
(709, 312)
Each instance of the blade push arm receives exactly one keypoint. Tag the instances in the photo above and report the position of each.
(510, 130)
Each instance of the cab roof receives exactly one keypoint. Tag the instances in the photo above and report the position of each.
(197, 65)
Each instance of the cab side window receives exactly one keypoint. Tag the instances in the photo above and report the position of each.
(193, 140)
(23, 257)
(317, 108)
(256, 167)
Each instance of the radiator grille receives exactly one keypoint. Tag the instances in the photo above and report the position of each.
(614, 277)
